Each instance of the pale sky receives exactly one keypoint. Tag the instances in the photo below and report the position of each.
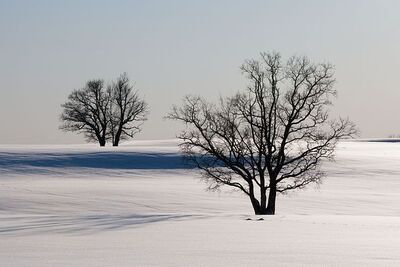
(174, 48)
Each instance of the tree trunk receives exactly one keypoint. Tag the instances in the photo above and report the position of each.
(261, 208)
(258, 208)
(102, 142)
(116, 140)
(271, 201)
(263, 193)
(101, 139)
(117, 137)
(256, 205)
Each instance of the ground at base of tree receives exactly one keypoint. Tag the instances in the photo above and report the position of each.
(61, 208)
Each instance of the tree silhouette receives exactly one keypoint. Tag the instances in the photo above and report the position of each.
(86, 112)
(128, 111)
(269, 139)
(101, 114)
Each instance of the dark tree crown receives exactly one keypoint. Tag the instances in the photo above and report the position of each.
(114, 113)
(270, 138)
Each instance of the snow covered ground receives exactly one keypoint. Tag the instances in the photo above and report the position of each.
(138, 205)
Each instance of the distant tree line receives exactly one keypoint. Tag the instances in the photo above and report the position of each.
(112, 112)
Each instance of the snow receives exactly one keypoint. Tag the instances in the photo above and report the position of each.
(140, 205)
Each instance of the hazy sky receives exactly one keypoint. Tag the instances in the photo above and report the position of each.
(173, 48)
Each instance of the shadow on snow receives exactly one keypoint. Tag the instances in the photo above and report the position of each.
(82, 224)
(97, 160)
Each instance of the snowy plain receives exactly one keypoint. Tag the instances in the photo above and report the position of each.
(140, 205)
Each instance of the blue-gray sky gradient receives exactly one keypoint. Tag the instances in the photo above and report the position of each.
(174, 48)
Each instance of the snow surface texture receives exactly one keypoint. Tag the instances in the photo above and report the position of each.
(139, 205)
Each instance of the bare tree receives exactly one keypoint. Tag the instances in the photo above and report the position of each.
(115, 113)
(86, 112)
(127, 111)
(271, 138)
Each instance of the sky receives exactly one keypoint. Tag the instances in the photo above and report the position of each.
(174, 48)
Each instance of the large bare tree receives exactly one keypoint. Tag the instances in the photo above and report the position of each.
(127, 112)
(270, 139)
(86, 112)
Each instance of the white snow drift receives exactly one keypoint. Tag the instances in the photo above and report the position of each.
(140, 205)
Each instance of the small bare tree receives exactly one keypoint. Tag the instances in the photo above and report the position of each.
(127, 111)
(271, 138)
(86, 112)
(115, 113)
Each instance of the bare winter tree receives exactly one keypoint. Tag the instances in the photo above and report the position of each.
(271, 138)
(127, 111)
(101, 114)
(86, 112)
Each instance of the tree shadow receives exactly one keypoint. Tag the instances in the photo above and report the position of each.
(50, 163)
(381, 140)
(78, 224)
